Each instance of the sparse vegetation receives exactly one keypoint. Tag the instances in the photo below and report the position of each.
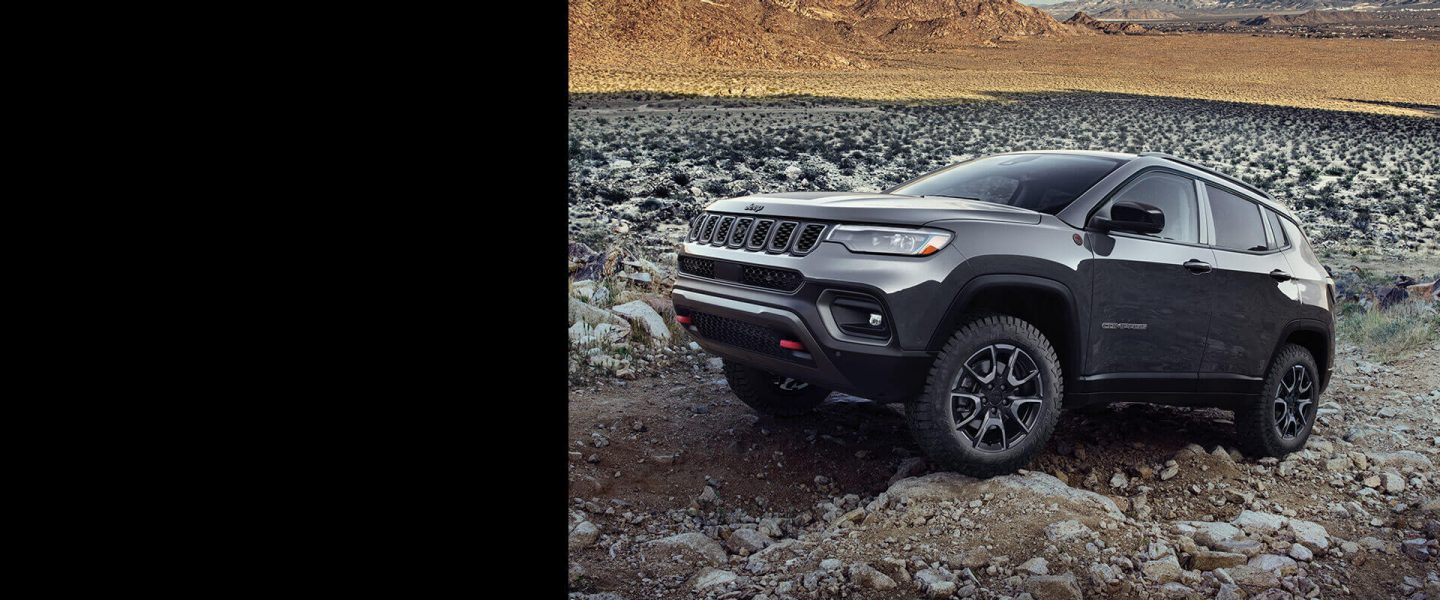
(1389, 334)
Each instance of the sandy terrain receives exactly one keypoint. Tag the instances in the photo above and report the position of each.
(1382, 76)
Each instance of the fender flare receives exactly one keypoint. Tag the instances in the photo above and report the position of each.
(1311, 326)
(961, 303)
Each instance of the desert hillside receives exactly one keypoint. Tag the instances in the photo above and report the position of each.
(788, 33)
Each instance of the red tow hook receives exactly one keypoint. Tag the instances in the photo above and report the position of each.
(682, 319)
(792, 345)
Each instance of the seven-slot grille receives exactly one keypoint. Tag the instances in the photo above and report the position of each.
(757, 234)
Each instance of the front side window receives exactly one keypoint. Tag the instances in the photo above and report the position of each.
(1237, 221)
(1044, 183)
(1172, 194)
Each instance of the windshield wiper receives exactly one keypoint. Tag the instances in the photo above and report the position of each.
(949, 196)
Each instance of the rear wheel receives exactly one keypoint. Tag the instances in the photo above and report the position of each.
(773, 394)
(992, 398)
(1280, 421)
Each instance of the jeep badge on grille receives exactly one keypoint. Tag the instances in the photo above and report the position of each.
(755, 207)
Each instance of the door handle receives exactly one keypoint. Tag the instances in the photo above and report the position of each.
(1197, 266)
(1280, 275)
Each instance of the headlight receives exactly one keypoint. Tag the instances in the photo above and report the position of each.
(889, 240)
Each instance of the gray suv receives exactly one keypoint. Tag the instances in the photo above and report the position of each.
(986, 295)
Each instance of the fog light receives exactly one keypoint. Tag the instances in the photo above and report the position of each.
(875, 320)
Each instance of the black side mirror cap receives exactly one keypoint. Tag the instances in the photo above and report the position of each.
(1136, 217)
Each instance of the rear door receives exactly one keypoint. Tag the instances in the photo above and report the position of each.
(1150, 308)
(1256, 295)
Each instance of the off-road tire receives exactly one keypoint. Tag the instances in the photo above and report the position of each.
(932, 416)
(758, 389)
(1255, 427)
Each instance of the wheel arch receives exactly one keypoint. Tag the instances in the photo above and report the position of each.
(1031, 298)
(1311, 335)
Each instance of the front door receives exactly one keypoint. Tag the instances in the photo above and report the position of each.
(1151, 305)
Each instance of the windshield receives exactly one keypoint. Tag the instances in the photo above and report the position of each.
(1045, 183)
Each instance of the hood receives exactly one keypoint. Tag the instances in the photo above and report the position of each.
(884, 209)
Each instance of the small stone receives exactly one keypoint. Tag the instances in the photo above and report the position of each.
(1061, 531)
(1207, 532)
(1252, 577)
(936, 583)
(1169, 472)
(583, 535)
(1209, 560)
(1258, 522)
(1394, 483)
(710, 577)
(691, 544)
(869, 578)
(1035, 566)
(1283, 565)
(1336, 465)
(747, 541)
(1311, 535)
(1118, 480)
(1240, 546)
(708, 495)
(831, 564)
(1416, 549)
(1371, 481)
(1059, 587)
(1163, 570)
(1300, 552)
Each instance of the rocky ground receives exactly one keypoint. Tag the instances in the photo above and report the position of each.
(641, 168)
(678, 490)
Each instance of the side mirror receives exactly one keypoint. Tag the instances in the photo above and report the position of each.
(1136, 217)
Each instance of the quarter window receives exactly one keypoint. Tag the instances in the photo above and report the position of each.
(1172, 194)
(1237, 221)
(1281, 240)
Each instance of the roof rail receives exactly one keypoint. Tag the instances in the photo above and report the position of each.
(1199, 167)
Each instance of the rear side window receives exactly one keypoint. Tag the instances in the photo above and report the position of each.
(1237, 221)
(1281, 239)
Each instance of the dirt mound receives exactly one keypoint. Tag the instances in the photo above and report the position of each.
(1080, 19)
(1134, 14)
(787, 33)
(1314, 17)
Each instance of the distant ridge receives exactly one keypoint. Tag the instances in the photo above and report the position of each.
(790, 33)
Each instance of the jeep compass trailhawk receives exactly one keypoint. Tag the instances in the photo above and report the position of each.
(988, 294)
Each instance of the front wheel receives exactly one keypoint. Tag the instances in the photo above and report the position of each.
(1280, 421)
(773, 394)
(992, 398)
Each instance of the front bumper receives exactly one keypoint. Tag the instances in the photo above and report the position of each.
(883, 373)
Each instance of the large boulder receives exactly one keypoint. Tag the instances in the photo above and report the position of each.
(581, 312)
(645, 317)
